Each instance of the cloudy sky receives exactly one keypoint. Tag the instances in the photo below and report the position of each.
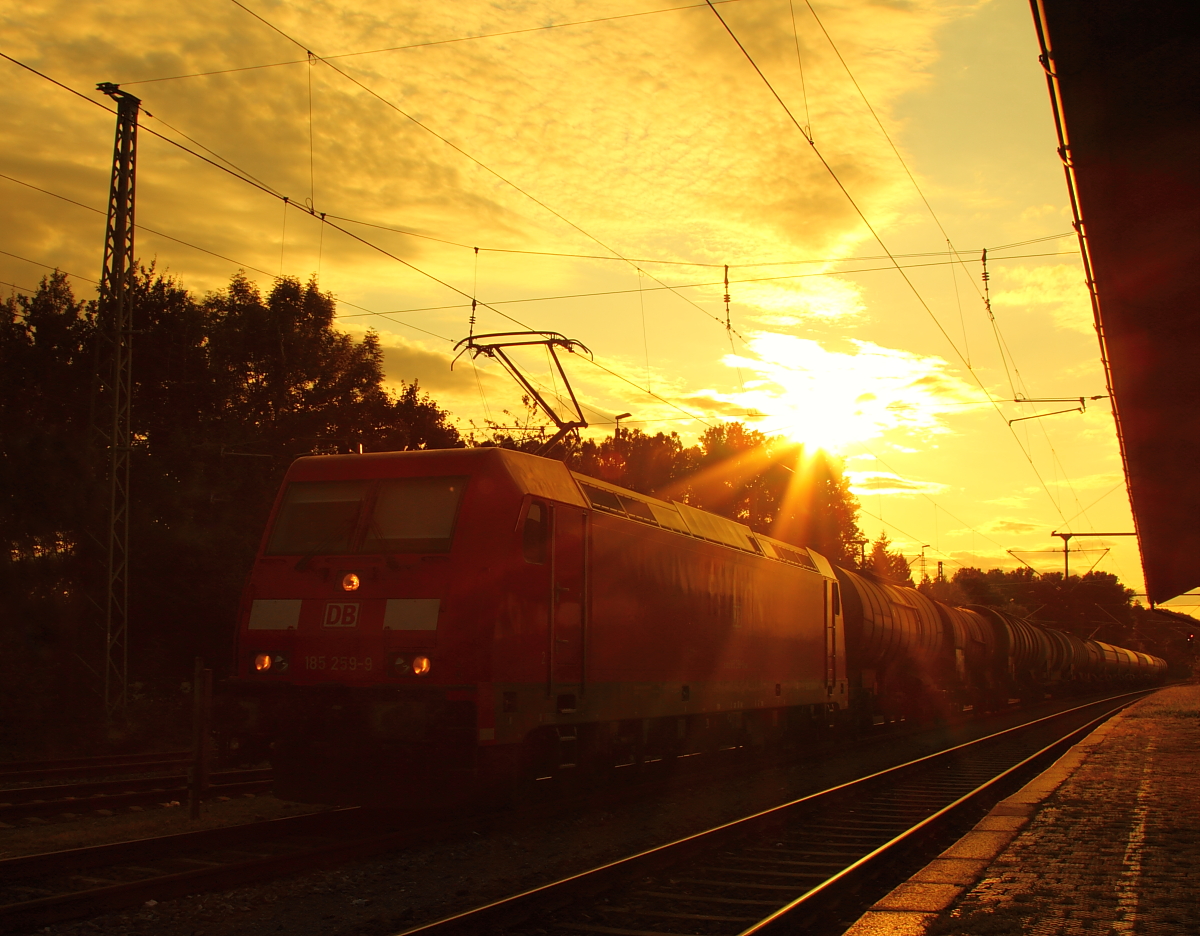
(608, 159)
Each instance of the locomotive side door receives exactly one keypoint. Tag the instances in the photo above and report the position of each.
(567, 595)
(832, 609)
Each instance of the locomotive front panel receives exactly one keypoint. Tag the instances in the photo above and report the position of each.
(367, 623)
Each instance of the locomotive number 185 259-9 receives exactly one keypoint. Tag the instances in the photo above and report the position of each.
(345, 663)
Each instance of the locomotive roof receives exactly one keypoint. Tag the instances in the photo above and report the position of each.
(701, 524)
(550, 478)
(542, 477)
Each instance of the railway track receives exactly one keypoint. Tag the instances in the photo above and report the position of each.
(75, 799)
(805, 866)
(107, 766)
(37, 890)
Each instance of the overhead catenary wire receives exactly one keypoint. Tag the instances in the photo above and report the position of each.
(875, 234)
(229, 168)
(312, 173)
(325, 220)
(663, 261)
(218, 162)
(1002, 345)
(936, 505)
(907, 535)
(962, 322)
(602, 293)
(651, 393)
(353, 236)
(705, 284)
(241, 264)
(729, 330)
(48, 266)
(645, 339)
(232, 168)
(433, 42)
(458, 149)
(985, 276)
(800, 65)
(138, 226)
(690, 415)
(879, 123)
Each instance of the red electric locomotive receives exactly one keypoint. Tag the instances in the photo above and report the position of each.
(439, 624)
(449, 620)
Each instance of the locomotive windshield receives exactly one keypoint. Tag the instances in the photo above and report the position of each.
(405, 515)
(414, 515)
(318, 516)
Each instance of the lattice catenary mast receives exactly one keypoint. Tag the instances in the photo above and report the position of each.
(115, 334)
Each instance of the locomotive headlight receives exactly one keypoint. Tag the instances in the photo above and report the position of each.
(401, 665)
(268, 662)
(350, 582)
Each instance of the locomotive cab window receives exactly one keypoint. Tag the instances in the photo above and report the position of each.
(414, 515)
(533, 533)
(317, 516)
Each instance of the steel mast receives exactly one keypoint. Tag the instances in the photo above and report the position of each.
(115, 335)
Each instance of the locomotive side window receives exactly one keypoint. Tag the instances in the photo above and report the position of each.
(605, 500)
(533, 534)
(317, 516)
(637, 510)
(414, 515)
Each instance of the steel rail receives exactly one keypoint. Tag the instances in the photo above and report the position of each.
(74, 904)
(22, 771)
(518, 908)
(326, 838)
(781, 918)
(28, 794)
(23, 802)
(334, 841)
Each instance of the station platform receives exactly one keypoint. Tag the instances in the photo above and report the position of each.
(1107, 840)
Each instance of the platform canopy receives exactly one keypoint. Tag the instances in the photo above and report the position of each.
(1125, 84)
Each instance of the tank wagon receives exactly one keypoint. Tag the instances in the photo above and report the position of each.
(444, 623)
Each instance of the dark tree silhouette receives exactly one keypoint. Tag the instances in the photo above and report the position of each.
(1095, 604)
(228, 390)
(889, 565)
(770, 484)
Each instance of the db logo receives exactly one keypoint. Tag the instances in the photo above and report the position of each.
(341, 615)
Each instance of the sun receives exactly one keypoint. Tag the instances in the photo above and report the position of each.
(833, 399)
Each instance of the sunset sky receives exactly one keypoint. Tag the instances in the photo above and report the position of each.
(597, 153)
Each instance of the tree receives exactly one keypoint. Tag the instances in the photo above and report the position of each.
(635, 460)
(768, 483)
(228, 390)
(47, 494)
(888, 565)
(1095, 604)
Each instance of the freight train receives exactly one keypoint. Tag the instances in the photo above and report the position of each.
(439, 624)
